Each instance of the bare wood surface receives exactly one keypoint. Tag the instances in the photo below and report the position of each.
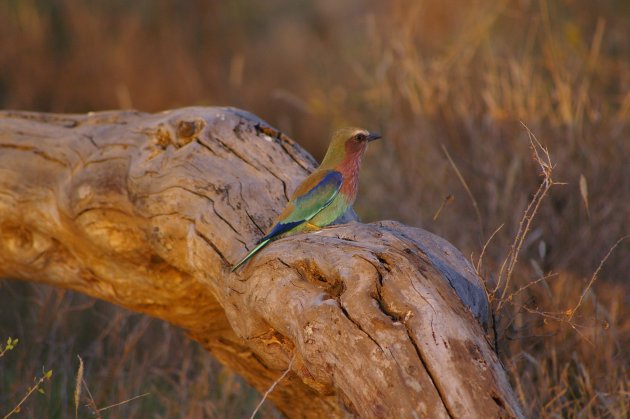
(149, 211)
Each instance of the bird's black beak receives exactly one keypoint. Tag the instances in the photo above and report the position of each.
(373, 136)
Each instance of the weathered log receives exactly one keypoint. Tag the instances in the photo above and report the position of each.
(149, 211)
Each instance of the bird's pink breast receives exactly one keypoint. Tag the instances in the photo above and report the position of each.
(349, 168)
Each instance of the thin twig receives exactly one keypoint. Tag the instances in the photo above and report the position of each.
(542, 157)
(446, 201)
(465, 185)
(18, 407)
(529, 284)
(268, 392)
(561, 318)
(594, 277)
(91, 402)
(483, 250)
(123, 402)
(9, 346)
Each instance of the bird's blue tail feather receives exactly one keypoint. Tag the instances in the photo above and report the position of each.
(260, 245)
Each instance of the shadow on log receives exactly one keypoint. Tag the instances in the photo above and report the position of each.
(149, 211)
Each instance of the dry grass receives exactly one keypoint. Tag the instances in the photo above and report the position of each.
(449, 83)
(124, 355)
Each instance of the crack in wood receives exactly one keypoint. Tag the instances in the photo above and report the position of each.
(204, 145)
(212, 245)
(399, 319)
(345, 312)
(237, 154)
(101, 208)
(265, 168)
(36, 151)
(240, 192)
(430, 373)
(205, 197)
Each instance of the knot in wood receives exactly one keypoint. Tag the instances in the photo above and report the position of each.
(187, 131)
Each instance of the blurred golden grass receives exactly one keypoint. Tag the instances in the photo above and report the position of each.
(452, 78)
(124, 355)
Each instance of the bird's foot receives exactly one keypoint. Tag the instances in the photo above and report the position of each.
(312, 227)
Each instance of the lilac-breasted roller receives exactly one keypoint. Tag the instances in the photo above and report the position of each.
(327, 193)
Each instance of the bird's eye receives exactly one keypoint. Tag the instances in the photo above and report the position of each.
(360, 137)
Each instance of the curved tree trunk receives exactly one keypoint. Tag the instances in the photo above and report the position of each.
(150, 211)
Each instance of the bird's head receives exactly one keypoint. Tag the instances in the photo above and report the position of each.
(347, 143)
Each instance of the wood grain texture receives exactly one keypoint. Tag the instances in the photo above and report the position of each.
(149, 211)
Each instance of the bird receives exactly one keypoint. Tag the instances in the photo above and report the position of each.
(327, 193)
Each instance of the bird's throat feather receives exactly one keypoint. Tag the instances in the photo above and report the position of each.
(349, 168)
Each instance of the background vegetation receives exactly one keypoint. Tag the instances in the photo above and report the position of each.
(451, 78)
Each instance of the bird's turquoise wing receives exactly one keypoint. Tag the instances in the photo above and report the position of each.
(313, 195)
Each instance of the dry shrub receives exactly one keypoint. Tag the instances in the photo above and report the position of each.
(124, 355)
(570, 368)
(454, 111)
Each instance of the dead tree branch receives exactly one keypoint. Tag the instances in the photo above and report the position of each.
(150, 211)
